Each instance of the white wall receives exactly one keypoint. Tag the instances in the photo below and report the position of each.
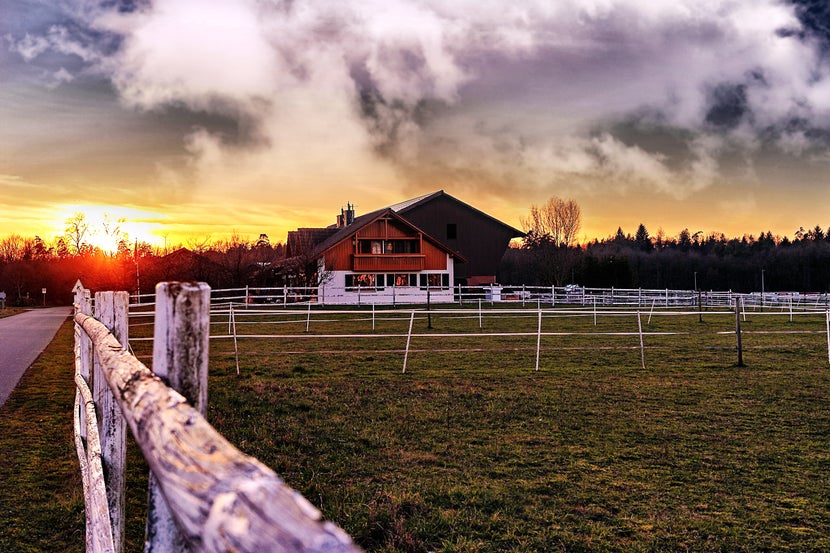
(333, 291)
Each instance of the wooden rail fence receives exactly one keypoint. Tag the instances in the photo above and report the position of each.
(205, 495)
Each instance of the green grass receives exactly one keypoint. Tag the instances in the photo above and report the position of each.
(472, 450)
(41, 503)
(9, 311)
(41, 496)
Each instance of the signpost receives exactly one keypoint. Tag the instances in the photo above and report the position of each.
(2, 301)
(43, 291)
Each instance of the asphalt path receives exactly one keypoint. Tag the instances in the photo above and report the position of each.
(22, 338)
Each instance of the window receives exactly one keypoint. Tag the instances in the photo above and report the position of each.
(401, 280)
(440, 281)
(364, 281)
(452, 232)
(388, 247)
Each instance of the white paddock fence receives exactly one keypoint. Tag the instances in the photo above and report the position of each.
(309, 327)
(205, 495)
(549, 296)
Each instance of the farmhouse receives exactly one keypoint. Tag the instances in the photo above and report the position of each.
(377, 258)
(401, 253)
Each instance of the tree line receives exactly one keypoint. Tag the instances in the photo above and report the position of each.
(548, 255)
(710, 261)
(30, 264)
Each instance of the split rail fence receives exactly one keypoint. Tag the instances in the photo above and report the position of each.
(205, 495)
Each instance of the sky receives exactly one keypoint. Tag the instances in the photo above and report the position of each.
(194, 120)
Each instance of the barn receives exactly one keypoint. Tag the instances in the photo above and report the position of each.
(480, 238)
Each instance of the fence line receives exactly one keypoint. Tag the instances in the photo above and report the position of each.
(262, 315)
(220, 499)
(523, 294)
(323, 317)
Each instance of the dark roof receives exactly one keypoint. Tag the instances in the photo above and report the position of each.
(306, 238)
(408, 205)
(343, 232)
(364, 220)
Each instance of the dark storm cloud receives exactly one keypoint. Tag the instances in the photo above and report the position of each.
(531, 94)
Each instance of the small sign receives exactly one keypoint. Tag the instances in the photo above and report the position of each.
(43, 291)
(2, 295)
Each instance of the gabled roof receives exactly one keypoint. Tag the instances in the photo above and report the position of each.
(408, 205)
(367, 219)
(404, 205)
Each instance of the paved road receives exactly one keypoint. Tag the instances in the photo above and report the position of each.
(22, 338)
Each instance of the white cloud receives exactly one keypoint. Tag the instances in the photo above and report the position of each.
(29, 47)
(519, 94)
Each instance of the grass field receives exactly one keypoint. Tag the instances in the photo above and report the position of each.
(9, 311)
(473, 450)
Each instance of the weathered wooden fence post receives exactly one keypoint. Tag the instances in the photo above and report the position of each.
(180, 357)
(111, 310)
(84, 303)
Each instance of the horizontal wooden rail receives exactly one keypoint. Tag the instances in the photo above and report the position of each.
(222, 499)
(99, 528)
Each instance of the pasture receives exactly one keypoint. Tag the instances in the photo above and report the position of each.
(471, 449)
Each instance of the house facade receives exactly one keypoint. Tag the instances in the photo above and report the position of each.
(381, 258)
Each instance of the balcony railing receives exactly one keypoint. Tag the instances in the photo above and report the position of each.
(388, 262)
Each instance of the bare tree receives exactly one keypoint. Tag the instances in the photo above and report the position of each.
(552, 231)
(11, 248)
(557, 222)
(303, 266)
(75, 232)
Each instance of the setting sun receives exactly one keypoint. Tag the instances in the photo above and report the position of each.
(108, 225)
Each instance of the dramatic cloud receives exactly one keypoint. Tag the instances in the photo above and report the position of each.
(391, 96)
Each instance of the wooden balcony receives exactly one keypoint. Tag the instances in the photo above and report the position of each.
(367, 263)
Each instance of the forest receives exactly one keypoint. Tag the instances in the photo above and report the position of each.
(711, 262)
(685, 261)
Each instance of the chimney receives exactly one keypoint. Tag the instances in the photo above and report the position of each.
(349, 214)
(346, 216)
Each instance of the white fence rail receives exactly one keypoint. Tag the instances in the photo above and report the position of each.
(571, 295)
(205, 494)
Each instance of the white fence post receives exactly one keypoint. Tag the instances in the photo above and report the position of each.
(180, 357)
(538, 339)
(642, 349)
(408, 339)
(111, 310)
(828, 334)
